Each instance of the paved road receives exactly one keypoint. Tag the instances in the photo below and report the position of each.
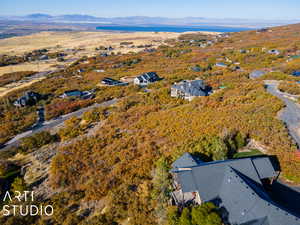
(46, 125)
(291, 114)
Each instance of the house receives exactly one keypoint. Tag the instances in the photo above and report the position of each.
(43, 57)
(111, 82)
(78, 94)
(146, 78)
(99, 71)
(296, 73)
(236, 68)
(71, 93)
(196, 68)
(87, 94)
(189, 89)
(220, 64)
(295, 57)
(236, 186)
(224, 35)
(274, 52)
(30, 98)
(103, 54)
(256, 74)
(262, 30)
(149, 50)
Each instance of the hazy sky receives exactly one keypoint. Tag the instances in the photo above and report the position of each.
(252, 9)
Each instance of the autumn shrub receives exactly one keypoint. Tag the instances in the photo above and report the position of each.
(118, 164)
(14, 77)
(15, 121)
(64, 106)
(289, 87)
(37, 140)
(72, 128)
(95, 115)
(278, 76)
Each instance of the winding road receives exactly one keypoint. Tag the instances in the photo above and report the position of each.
(47, 125)
(291, 113)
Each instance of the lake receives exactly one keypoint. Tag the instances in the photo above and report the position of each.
(177, 29)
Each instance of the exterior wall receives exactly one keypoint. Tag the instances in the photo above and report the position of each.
(198, 199)
(174, 92)
(177, 93)
(189, 98)
(136, 81)
(185, 198)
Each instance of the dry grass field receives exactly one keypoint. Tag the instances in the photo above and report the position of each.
(62, 41)
(84, 44)
(87, 40)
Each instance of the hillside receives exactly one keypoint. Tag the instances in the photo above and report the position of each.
(111, 165)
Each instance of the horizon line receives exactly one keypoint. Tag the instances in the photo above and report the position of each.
(183, 17)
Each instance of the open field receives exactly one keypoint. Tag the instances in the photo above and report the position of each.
(64, 41)
(87, 40)
(17, 85)
(31, 66)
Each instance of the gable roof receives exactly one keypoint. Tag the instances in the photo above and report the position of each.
(236, 184)
(205, 171)
(191, 87)
(221, 64)
(296, 73)
(248, 204)
(264, 167)
(73, 93)
(148, 77)
(186, 160)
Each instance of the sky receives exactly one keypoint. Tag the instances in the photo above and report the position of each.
(247, 9)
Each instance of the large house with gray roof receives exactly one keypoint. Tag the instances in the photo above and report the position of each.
(236, 186)
(30, 98)
(189, 89)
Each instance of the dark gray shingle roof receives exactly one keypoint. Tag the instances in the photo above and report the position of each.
(246, 204)
(149, 77)
(192, 87)
(212, 173)
(186, 160)
(264, 167)
(237, 185)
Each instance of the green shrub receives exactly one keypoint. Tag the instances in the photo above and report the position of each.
(185, 218)
(204, 214)
(18, 185)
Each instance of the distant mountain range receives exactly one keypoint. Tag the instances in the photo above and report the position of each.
(144, 20)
